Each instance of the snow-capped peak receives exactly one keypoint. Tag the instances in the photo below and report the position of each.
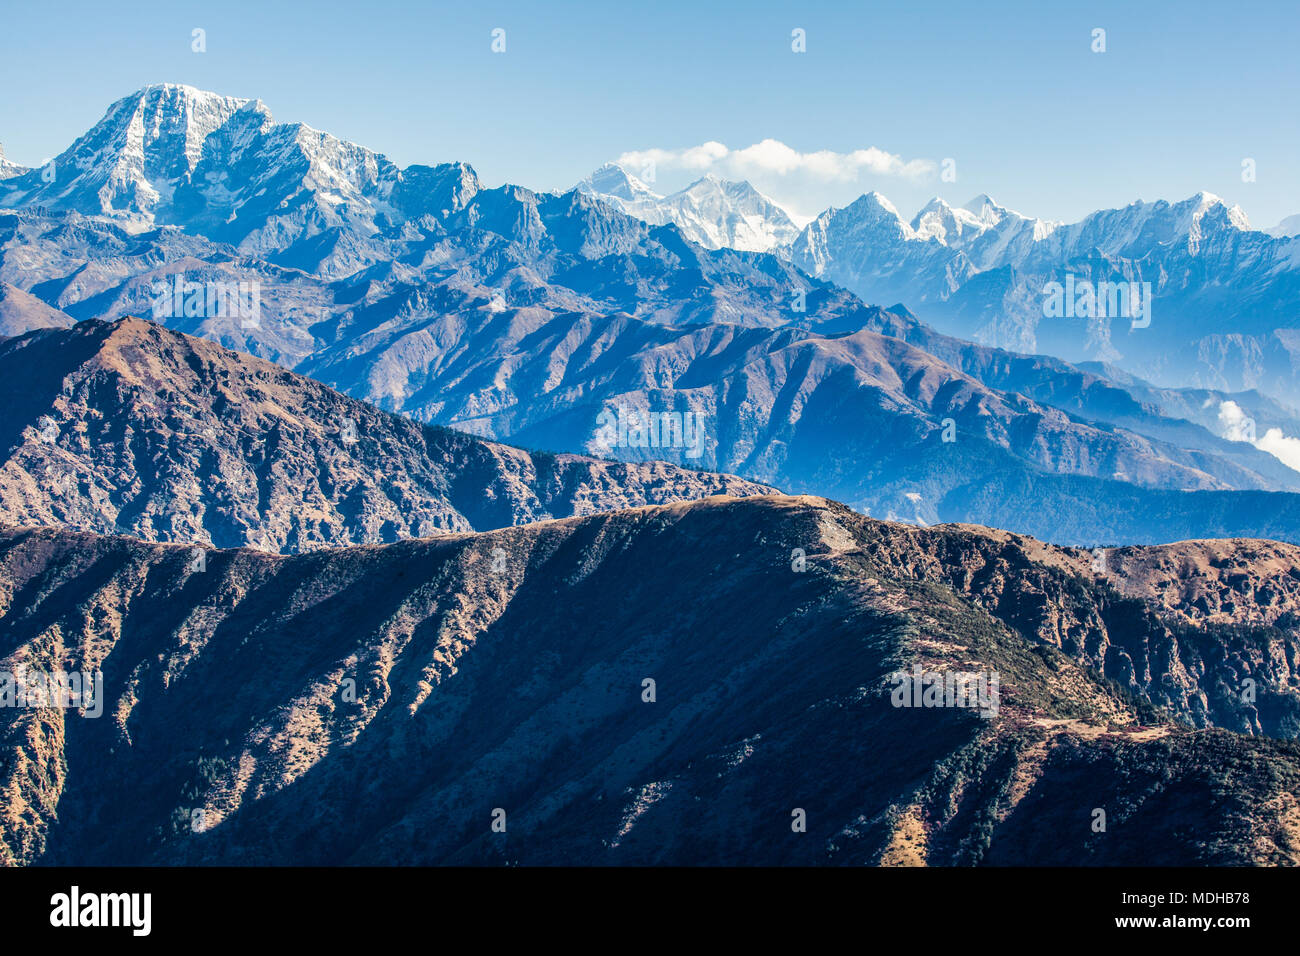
(9, 170)
(873, 202)
(613, 180)
(714, 212)
(740, 192)
(708, 183)
(129, 164)
(938, 220)
(169, 123)
(983, 208)
(215, 165)
(1191, 212)
(1236, 216)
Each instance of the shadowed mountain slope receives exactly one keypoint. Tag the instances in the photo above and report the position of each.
(385, 704)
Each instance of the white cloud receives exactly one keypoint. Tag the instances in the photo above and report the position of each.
(771, 157)
(1238, 426)
(1282, 447)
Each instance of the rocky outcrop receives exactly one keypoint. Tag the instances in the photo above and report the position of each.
(1208, 630)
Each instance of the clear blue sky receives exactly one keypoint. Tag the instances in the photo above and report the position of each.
(1011, 91)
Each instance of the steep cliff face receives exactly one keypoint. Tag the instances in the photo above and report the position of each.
(705, 682)
(129, 428)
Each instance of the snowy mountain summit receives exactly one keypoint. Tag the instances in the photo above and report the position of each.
(714, 212)
(212, 164)
(130, 164)
(9, 170)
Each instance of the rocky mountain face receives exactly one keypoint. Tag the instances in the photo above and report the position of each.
(1195, 628)
(130, 428)
(430, 701)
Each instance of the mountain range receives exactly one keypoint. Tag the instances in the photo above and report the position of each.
(861, 416)
(1224, 297)
(531, 318)
(1222, 302)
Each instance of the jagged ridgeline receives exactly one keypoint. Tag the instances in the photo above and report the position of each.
(730, 696)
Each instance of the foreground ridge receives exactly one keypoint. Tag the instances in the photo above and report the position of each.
(699, 682)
